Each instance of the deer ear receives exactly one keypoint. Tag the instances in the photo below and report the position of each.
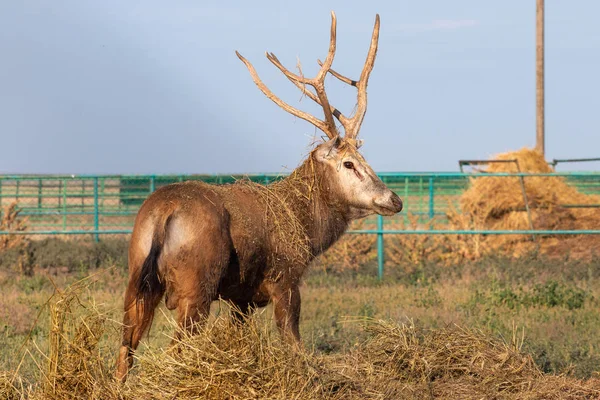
(328, 149)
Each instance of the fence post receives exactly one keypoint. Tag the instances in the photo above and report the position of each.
(421, 195)
(152, 184)
(102, 192)
(96, 211)
(380, 252)
(64, 204)
(39, 194)
(405, 199)
(431, 208)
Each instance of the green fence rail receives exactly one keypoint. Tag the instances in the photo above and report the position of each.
(107, 205)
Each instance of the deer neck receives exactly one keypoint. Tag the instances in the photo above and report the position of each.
(323, 218)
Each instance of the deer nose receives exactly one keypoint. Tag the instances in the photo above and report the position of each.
(396, 202)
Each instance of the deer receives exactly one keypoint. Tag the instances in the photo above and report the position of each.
(249, 244)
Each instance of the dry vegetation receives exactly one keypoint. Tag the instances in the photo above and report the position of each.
(497, 203)
(492, 330)
(9, 221)
(248, 361)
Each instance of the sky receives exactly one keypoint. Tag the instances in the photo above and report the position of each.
(154, 87)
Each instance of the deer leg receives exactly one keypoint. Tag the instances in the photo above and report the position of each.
(134, 328)
(196, 293)
(241, 310)
(286, 304)
(192, 313)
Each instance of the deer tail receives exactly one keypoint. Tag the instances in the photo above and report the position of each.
(150, 287)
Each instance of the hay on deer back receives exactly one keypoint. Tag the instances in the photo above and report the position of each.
(282, 217)
(287, 209)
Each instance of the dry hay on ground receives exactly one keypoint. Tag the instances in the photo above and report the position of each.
(11, 386)
(228, 360)
(75, 367)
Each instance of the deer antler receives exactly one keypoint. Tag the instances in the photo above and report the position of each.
(351, 126)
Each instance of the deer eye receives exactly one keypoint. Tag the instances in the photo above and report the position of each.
(348, 164)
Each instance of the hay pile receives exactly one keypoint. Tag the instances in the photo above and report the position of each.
(11, 386)
(75, 366)
(232, 361)
(498, 203)
(248, 360)
(229, 360)
(459, 363)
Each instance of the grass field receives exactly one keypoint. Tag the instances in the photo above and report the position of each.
(549, 305)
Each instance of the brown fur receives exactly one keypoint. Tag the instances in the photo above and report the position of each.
(246, 243)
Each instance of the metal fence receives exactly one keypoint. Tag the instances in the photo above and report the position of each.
(102, 205)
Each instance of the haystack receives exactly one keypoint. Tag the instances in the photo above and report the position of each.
(498, 203)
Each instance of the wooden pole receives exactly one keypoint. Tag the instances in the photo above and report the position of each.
(540, 136)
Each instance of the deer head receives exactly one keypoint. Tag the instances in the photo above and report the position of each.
(347, 176)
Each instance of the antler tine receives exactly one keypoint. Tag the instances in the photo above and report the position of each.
(336, 113)
(318, 82)
(294, 111)
(361, 108)
(289, 74)
(352, 125)
(341, 77)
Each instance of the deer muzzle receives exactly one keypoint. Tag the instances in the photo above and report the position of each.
(388, 205)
